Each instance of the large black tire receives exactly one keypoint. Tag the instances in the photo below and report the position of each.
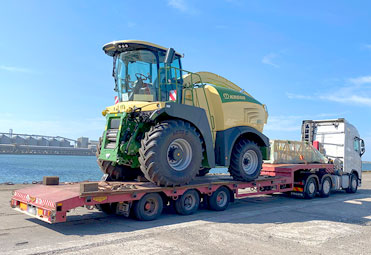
(116, 172)
(353, 184)
(310, 188)
(149, 207)
(246, 161)
(325, 187)
(171, 153)
(188, 203)
(219, 200)
(203, 171)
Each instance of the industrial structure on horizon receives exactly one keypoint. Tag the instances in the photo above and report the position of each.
(11, 143)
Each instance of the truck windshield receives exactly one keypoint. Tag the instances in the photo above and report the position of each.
(136, 76)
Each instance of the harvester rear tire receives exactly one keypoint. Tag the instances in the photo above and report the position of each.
(116, 172)
(171, 153)
(246, 161)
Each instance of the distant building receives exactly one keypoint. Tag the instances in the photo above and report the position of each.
(11, 143)
(54, 142)
(18, 140)
(4, 139)
(82, 142)
(65, 143)
(31, 141)
(42, 142)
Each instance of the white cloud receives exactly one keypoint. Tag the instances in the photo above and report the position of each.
(15, 69)
(268, 59)
(361, 80)
(297, 96)
(178, 4)
(367, 46)
(183, 6)
(352, 99)
(356, 92)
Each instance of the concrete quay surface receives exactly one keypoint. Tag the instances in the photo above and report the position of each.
(277, 224)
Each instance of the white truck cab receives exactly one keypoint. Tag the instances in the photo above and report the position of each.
(340, 142)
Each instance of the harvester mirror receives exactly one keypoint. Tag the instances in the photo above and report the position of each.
(169, 57)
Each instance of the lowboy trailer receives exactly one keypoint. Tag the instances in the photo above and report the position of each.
(52, 201)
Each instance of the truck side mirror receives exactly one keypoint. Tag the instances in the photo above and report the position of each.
(169, 57)
(363, 150)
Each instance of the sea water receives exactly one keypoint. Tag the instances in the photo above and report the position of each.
(29, 168)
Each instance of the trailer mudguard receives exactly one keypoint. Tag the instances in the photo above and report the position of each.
(226, 139)
(195, 115)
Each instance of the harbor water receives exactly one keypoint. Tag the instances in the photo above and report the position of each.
(29, 168)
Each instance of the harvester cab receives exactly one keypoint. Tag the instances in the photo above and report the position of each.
(170, 125)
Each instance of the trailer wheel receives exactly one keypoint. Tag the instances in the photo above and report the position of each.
(353, 184)
(188, 203)
(219, 200)
(310, 189)
(325, 187)
(246, 161)
(149, 207)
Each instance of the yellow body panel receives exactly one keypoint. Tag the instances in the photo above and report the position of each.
(130, 105)
(223, 116)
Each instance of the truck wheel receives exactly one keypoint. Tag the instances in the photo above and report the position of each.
(149, 207)
(171, 153)
(203, 171)
(325, 187)
(188, 203)
(219, 200)
(246, 161)
(310, 189)
(353, 184)
(116, 172)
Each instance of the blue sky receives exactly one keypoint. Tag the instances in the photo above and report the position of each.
(303, 60)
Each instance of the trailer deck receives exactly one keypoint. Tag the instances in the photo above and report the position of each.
(51, 203)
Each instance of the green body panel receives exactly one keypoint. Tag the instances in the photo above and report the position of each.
(229, 95)
(128, 138)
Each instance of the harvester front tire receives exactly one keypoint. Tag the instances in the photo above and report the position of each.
(246, 161)
(171, 153)
(116, 172)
